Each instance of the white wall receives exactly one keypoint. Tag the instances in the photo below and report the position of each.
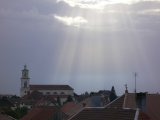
(59, 92)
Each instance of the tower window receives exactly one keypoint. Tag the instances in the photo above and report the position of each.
(25, 84)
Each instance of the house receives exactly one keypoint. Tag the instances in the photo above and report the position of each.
(149, 104)
(71, 108)
(62, 91)
(130, 106)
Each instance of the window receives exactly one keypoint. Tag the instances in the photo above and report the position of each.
(48, 93)
(62, 93)
(55, 93)
(25, 84)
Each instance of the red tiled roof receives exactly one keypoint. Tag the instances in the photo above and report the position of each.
(153, 106)
(6, 117)
(113, 111)
(105, 114)
(74, 108)
(143, 116)
(50, 87)
(68, 107)
(40, 113)
(117, 103)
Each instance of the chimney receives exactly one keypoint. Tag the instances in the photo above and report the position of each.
(141, 101)
(84, 104)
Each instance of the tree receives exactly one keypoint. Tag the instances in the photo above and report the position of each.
(112, 95)
(86, 94)
(69, 99)
(59, 101)
(17, 113)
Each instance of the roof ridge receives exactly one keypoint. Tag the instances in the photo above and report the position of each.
(51, 84)
(76, 113)
(113, 101)
(42, 86)
(124, 102)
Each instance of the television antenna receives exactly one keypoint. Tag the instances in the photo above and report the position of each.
(135, 75)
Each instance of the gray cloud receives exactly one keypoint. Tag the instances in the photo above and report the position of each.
(104, 52)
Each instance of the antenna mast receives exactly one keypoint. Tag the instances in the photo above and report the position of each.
(135, 82)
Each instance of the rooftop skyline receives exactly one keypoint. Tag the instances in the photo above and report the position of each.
(90, 45)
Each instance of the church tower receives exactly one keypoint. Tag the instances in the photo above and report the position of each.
(24, 82)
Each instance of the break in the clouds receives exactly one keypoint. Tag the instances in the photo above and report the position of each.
(150, 12)
(98, 4)
(71, 21)
(91, 4)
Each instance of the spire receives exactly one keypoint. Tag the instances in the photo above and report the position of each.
(25, 67)
(25, 72)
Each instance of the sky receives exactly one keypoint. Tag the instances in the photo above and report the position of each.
(90, 45)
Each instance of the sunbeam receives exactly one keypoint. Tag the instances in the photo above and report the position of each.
(88, 44)
(106, 44)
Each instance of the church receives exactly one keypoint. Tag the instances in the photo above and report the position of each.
(63, 91)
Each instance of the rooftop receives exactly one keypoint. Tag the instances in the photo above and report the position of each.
(6, 117)
(50, 87)
(152, 108)
(105, 114)
(40, 113)
(112, 111)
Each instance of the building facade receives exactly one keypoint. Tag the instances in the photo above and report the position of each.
(63, 91)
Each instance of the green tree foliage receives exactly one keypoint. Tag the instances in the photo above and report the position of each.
(86, 94)
(17, 113)
(112, 95)
(59, 101)
(69, 99)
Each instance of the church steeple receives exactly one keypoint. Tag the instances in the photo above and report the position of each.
(24, 81)
(25, 72)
